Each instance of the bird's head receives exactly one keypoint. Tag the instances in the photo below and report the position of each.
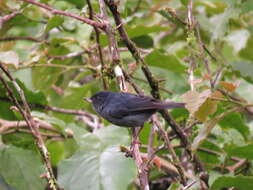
(98, 99)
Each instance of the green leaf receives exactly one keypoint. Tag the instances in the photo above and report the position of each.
(143, 41)
(247, 6)
(4, 185)
(79, 4)
(233, 37)
(235, 121)
(141, 30)
(241, 151)
(36, 97)
(33, 12)
(247, 51)
(206, 157)
(169, 62)
(221, 22)
(245, 69)
(207, 128)
(239, 182)
(21, 168)
(206, 109)
(54, 22)
(98, 163)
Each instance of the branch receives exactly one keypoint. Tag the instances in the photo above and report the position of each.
(13, 38)
(24, 109)
(59, 12)
(113, 48)
(6, 18)
(70, 55)
(100, 52)
(152, 82)
(90, 119)
(6, 125)
(175, 158)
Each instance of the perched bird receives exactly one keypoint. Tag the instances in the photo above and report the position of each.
(126, 109)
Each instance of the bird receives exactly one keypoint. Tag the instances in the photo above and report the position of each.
(126, 109)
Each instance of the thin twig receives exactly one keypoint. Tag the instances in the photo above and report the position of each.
(59, 12)
(100, 52)
(175, 158)
(6, 18)
(113, 47)
(26, 113)
(70, 55)
(13, 38)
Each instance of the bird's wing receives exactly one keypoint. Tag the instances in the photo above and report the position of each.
(133, 105)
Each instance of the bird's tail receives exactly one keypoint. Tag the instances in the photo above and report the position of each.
(169, 105)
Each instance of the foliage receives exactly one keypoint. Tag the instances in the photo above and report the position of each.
(55, 60)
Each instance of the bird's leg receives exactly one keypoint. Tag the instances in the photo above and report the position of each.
(136, 131)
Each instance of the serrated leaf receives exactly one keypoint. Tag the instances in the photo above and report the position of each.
(9, 57)
(26, 168)
(99, 163)
(239, 182)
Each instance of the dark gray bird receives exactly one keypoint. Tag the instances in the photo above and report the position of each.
(128, 110)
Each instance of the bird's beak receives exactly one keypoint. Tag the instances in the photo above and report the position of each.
(88, 100)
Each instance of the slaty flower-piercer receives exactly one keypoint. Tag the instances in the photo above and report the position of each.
(126, 109)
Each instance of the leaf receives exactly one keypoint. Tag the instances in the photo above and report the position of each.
(194, 100)
(169, 62)
(144, 41)
(32, 12)
(36, 97)
(246, 52)
(235, 121)
(9, 57)
(141, 30)
(54, 22)
(221, 22)
(4, 185)
(21, 168)
(207, 128)
(206, 157)
(233, 37)
(239, 182)
(245, 69)
(229, 86)
(241, 151)
(98, 163)
(247, 6)
(206, 109)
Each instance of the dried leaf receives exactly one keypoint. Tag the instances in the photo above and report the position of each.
(229, 86)
(194, 100)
